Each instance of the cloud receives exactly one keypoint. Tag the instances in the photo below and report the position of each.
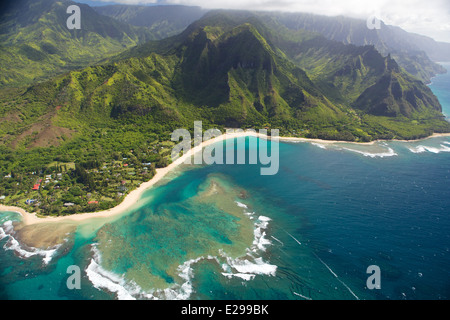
(430, 17)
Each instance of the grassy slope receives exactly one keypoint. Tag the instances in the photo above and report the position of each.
(162, 21)
(404, 47)
(234, 70)
(36, 44)
(224, 71)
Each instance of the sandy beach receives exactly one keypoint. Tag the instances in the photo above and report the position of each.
(287, 139)
(134, 196)
(131, 199)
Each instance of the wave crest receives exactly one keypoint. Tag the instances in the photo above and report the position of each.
(423, 149)
(389, 153)
(7, 231)
(245, 268)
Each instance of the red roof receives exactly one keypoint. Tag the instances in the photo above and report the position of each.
(36, 187)
(93, 202)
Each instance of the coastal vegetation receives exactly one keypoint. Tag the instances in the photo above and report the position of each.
(36, 44)
(80, 141)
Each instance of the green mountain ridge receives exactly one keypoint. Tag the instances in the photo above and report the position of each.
(343, 72)
(358, 71)
(245, 86)
(99, 127)
(231, 70)
(411, 51)
(162, 21)
(36, 44)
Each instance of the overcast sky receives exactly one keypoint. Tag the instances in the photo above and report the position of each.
(430, 17)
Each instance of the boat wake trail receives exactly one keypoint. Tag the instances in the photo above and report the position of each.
(290, 235)
(336, 276)
(302, 296)
(329, 269)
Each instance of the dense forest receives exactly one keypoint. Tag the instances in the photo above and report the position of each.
(79, 136)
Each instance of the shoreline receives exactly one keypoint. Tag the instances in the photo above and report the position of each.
(134, 196)
(293, 139)
(131, 199)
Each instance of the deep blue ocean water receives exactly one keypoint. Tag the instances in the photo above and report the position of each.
(334, 211)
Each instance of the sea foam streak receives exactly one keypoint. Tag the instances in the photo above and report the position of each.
(336, 276)
(423, 149)
(321, 146)
(7, 230)
(103, 279)
(301, 296)
(248, 267)
(389, 153)
(261, 241)
(241, 205)
(245, 268)
(3, 234)
(129, 290)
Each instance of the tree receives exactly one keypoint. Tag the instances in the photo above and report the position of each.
(84, 178)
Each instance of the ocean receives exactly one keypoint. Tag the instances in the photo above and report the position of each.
(224, 232)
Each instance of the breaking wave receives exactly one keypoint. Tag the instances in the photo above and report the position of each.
(321, 146)
(7, 231)
(423, 149)
(248, 267)
(245, 268)
(389, 153)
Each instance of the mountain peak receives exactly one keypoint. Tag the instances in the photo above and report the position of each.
(37, 43)
(237, 70)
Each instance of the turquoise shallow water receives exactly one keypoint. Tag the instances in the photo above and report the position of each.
(226, 232)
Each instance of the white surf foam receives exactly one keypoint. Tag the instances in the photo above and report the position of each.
(389, 153)
(129, 290)
(104, 279)
(423, 149)
(251, 268)
(3, 235)
(419, 149)
(184, 291)
(248, 267)
(243, 276)
(261, 242)
(245, 268)
(321, 146)
(241, 205)
(7, 230)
